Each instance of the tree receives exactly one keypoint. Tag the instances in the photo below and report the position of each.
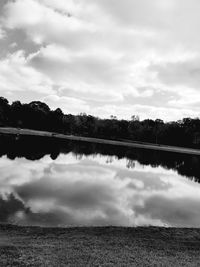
(4, 111)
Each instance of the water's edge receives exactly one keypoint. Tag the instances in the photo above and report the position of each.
(18, 132)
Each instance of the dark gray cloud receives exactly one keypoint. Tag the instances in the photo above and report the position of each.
(9, 206)
(185, 73)
(180, 213)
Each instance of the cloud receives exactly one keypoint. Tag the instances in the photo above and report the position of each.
(44, 24)
(16, 75)
(71, 191)
(10, 205)
(92, 77)
(105, 53)
(185, 73)
(168, 211)
(130, 12)
(62, 64)
(70, 7)
(183, 77)
(77, 106)
(67, 104)
(153, 112)
(2, 33)
(178, 19)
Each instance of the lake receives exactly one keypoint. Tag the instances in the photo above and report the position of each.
(52, 183)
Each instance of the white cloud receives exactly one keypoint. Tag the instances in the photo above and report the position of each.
(146, 111)
(16, 75)
(43, 24)
(67, 104)
(89, 191)
(103, 52)
(69, 7)
(83, 72)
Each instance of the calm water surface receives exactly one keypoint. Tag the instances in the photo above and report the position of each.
(85, 184)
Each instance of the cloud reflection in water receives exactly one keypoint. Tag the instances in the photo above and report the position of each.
(95, 191)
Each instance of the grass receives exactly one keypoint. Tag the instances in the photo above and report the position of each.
(99, 246)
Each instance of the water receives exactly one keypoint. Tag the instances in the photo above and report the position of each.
(49, 183)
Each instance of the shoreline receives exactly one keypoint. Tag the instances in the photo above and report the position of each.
(29, 132)
(99, 246)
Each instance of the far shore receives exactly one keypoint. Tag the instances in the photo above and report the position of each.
(125, 143)
(99, 246)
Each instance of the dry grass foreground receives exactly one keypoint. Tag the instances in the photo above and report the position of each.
(99, 246)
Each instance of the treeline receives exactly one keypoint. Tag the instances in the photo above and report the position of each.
(37, 115)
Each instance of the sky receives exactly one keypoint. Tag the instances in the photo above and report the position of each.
(103, 57)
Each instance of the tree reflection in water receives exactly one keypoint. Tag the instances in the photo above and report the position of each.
(34, 148)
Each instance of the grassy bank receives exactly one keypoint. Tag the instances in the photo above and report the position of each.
(16, 131)
(99, 246)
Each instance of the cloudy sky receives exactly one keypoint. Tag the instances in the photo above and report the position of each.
(103, 57)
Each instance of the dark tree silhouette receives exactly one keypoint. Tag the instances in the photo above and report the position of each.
(37, 115)
(34, 148)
